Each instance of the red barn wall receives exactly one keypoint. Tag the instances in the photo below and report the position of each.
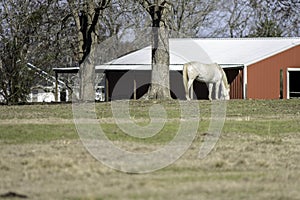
(264, 76)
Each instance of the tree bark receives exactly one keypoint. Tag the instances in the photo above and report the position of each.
(160, 80)
(87, 77)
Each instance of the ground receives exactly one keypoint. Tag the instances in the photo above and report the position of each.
(256, 157)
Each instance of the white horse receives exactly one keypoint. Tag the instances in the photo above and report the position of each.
(211, 74)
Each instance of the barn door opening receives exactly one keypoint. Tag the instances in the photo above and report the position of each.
(293, 83)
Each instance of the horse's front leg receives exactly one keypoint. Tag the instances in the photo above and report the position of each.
(217, 87)
(210, 89)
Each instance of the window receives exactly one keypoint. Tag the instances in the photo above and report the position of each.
(293, 83)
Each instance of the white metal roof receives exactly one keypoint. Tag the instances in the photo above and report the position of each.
(228, 52)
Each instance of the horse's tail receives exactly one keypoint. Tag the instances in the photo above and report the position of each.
(185, 79)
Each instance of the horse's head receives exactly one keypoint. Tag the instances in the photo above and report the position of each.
(225, 92)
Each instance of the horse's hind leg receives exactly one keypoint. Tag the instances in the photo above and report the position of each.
(210, 89)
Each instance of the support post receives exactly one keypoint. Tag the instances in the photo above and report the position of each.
(192, 92)
(134, 86)
(106, 88)
(56, 87)
(281, 84)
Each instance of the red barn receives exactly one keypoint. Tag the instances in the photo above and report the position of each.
(256, 68)
(276, 76)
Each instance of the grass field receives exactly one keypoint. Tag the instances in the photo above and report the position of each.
(256, 157)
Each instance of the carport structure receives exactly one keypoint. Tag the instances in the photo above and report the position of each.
(57, 71)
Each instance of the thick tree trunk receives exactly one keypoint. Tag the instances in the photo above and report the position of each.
(86, 20)
(160, 81)
(87, 77)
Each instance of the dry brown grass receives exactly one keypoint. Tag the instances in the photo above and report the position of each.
(256, 157)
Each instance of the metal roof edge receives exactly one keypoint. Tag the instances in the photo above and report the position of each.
(227, 66)
(145, 67)
(245, 38)
(120, 67)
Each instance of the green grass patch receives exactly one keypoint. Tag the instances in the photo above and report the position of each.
(63, 111)
(140, 109)
(113, 132)
(263, 108)
(264, 127)
(260, 117)
(36, 133)
(30, 133)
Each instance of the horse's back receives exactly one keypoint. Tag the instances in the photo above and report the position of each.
(204, 72)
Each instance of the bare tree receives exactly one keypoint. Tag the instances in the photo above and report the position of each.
(22, 29)
(86, 16)
(284, 13)
(159, 12)
(190, 17)
(236, 17)
(122, 25)
(31, 31)
(267, 28)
